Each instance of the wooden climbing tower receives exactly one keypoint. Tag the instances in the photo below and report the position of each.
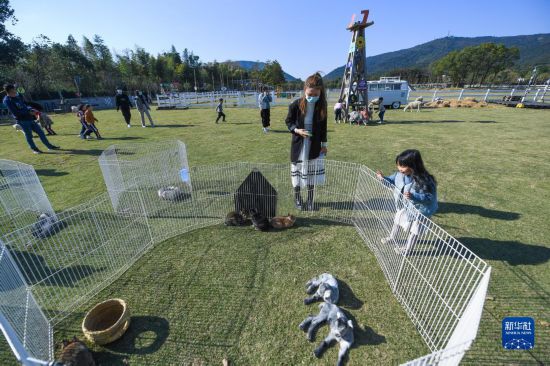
(354, 82)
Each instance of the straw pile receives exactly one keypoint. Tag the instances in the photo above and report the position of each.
(467, 102)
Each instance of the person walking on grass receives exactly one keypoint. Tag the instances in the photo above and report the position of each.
(123, 103)
(418, 187)
(307, 122)
(381, 110)
(143, 108)
(25, 117)
(219, 109)
(338, 111)
(91, 120)
(264, 101)
(85, 130)
(45, 122)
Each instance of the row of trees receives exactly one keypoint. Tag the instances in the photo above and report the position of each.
(485, 64)
(477, 64)
(47, 69)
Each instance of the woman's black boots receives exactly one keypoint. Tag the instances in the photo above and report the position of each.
(310, 194)
(297, 198)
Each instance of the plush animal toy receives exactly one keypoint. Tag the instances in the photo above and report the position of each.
(46, 226)
(171, 193)
(323, 287)
(341, 330)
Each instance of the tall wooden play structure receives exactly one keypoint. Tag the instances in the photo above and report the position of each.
(354, 82)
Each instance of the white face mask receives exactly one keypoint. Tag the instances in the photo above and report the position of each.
(118, 91)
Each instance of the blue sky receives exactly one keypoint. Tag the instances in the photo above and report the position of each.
(304, 36)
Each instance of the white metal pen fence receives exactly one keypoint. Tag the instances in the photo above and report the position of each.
(22, 197)
(439, 282)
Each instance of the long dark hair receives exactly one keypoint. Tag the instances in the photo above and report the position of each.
(315, 81)
(412, 159)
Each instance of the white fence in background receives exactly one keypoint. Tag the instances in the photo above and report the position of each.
(539, 94)
(211, 99)
(526, 95)
(439, 282)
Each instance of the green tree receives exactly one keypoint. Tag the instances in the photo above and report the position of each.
(273, 73)
(475, 63)
(10, 45)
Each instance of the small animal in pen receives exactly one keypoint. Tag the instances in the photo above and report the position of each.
(283, 222)
(259, 221)
(235, 218)
(75, 353)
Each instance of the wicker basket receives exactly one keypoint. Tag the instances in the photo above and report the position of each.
(106, 322)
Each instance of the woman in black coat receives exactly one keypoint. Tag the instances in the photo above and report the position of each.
(307, 121)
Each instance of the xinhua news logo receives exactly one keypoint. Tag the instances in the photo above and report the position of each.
(518, 333)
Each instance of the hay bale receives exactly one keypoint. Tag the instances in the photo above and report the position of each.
(106, 322)
(470, 99)
(446, 104)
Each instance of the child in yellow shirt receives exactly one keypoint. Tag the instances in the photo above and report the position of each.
(91, 120)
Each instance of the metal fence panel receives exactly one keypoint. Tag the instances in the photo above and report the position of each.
(437, 280)
(22, 197)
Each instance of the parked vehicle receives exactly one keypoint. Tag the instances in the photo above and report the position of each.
(394, 91)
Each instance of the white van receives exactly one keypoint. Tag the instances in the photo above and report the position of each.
(394, 91)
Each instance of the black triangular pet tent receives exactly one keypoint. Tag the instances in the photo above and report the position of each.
(256, 192)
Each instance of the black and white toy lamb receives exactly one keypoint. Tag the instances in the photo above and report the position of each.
(171, 193)
(341, 330)
(323, 287)
(46, 226)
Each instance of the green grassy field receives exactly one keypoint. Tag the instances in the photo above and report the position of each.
(217, 293)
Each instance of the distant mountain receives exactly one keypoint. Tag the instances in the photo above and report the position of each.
(534, 50)
(249, 65)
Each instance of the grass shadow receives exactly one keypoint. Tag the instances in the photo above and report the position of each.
(315, 221)
(364, 335)
(512, 252)
(36, 270)
(173, 126)
(125, 138)
(134, 337)
(451, 207)
(425, 121)
(278, 131)
(50, 172)
(347, 298)
(92, 152)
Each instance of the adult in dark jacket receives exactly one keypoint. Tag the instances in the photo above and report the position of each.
(264, 101)
(307, 121)
(25, 117)
(142, 105)
(124, 104)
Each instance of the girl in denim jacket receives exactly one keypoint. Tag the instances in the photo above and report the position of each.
(418, 187)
